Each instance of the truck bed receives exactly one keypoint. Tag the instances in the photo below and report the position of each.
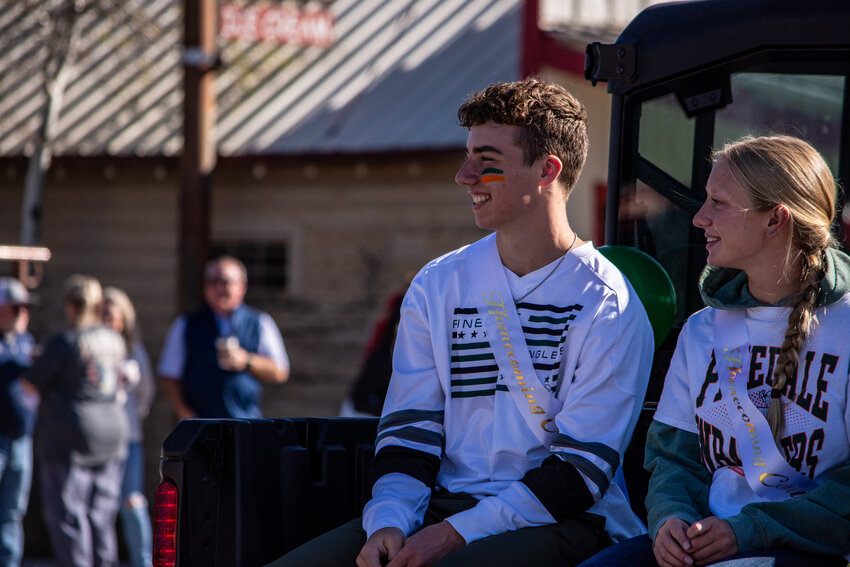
(250, 490)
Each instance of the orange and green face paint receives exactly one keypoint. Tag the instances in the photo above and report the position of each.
(491, 174)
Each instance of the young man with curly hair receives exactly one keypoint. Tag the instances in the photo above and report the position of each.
(518, 372)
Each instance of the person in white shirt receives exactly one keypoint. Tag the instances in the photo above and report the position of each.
(215, 359)
(519, 369)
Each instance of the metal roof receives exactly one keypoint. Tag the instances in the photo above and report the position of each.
(392, 79)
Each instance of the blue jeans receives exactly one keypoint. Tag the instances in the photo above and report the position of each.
(637, 552)
(80, 505)
(15, 479)
(135, 520)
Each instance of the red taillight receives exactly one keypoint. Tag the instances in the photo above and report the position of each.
(165, 525)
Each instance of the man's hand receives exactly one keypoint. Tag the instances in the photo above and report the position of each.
(427, 546)
(711, 539)
(672, 547)
(237, 359)
(234, 359)
(381, 547)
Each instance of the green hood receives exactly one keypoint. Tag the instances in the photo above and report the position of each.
(726, 288)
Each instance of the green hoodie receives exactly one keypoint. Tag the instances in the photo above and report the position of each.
(679, 483)
(726, 288)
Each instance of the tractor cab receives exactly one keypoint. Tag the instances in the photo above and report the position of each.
(687, 77)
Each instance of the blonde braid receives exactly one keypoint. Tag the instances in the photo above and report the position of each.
(782, 170)
(800, 323)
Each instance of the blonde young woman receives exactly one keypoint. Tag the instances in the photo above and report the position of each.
(81, 434)
(750, 447)
(118, 313)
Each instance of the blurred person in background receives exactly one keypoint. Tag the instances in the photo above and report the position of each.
(215, 359)
(81, 433)
(17, 416)
(118, 313)
(369, 390)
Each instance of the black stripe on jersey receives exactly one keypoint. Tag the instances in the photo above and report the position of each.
(406, 417)
(544, 342)
(466, 311)
(479, 393)
(552, 308)
(473, 357)
(394, 459)
(552, 320)
(542, 331)
(590, 470)
(475, 381)
(475, 369)
(470, 346)
(415, 434)
(601, 450)
(559, 487)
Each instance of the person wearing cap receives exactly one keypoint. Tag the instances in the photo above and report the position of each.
(215, 359)
(17, 415)
(82, 430)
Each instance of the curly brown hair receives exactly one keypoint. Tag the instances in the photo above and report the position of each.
(551, 121)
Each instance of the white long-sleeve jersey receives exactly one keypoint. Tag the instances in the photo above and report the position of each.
(450, 422)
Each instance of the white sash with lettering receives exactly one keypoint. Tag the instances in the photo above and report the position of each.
(767, 472)
(504, 332)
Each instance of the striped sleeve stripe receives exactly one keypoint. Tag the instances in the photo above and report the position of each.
(588, 469)
(406, 417)
(601, 450)
(415, 434)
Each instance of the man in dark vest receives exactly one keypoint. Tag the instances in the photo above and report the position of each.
(215, 360)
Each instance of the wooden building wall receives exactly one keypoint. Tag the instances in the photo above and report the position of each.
(354, 230)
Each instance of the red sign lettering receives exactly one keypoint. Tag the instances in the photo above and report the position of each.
(277, 24)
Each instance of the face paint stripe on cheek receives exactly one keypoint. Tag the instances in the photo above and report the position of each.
(491, 174)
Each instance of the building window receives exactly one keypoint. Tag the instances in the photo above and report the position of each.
(267, 262)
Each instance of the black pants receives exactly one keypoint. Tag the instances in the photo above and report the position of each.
(563, 544)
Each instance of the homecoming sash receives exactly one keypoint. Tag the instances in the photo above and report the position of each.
(504, 333)
(767, 472)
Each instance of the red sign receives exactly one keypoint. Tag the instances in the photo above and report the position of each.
(277, 24)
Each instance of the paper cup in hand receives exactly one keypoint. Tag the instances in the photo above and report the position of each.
(224, 346)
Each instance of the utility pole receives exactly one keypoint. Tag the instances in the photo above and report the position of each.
(200, 61)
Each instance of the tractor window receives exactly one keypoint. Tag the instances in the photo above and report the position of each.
(655, 213)
(667, 174)
(806, 106)
(667, 137)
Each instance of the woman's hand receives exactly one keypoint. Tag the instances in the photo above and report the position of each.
(672, 546)
(711, 539)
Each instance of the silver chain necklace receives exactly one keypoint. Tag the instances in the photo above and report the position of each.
(529, 292)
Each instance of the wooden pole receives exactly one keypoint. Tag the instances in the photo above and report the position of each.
(200, 61)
